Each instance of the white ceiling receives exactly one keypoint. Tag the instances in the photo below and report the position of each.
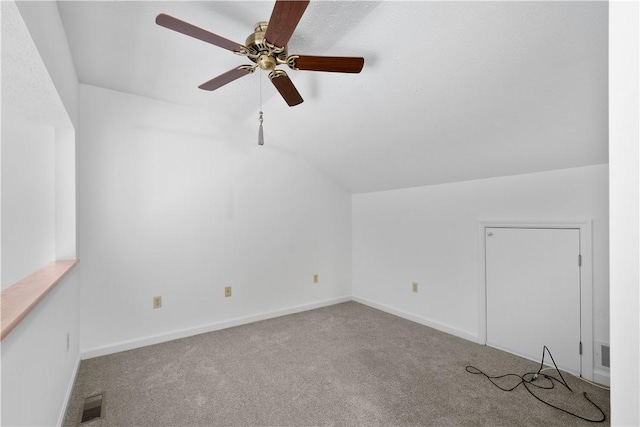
(34, 99)
(450, 91)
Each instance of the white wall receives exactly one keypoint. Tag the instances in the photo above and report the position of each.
(170, 206)
(38, 214)
(429, 235)
(37, 368)
(624, 138)
(65, 193)
(28, 198)
(38, 147)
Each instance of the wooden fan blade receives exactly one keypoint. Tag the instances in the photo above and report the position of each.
(334, 64)
(285, 86)
(225, 78)
(284, 20)
(176, 24)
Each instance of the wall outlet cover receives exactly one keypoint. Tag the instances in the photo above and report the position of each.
(227, 291)
(157, 302)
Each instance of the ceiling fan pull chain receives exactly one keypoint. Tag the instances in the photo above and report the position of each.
(260, 133)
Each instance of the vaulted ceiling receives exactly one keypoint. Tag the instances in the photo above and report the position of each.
(450, 91)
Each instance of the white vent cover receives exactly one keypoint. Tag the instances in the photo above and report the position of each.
(602, 359)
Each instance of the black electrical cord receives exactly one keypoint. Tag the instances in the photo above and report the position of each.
(530, 382)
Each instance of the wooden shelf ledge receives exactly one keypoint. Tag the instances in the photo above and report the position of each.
(21, 297)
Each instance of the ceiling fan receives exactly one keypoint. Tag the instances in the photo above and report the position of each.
(266, 47)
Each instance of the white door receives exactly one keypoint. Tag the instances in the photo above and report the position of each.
(533, 293)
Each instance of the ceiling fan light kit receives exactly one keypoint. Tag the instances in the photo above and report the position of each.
(266, 47)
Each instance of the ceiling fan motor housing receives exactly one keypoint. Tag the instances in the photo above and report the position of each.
(267, 57)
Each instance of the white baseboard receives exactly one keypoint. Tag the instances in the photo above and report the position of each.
(67, 397)
(601, 376)
(452, 330)
(215, 326)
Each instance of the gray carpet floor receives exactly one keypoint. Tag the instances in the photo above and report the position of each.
(342, 365)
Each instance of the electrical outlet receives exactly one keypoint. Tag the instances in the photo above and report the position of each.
(227, 291)
(315, 278)
(414, 287)
(157, 302)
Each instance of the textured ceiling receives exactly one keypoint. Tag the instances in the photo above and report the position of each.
(35, 99)
(450, 91)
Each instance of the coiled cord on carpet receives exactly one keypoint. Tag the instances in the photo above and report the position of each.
(529, 382)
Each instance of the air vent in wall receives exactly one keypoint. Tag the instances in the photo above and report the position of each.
(604, 358)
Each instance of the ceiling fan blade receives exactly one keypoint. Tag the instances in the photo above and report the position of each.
(334, 64)
(176, 24)
(284, 20)
(227, 77)
(285, 86)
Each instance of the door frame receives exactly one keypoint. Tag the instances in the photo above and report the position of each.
(586, 278)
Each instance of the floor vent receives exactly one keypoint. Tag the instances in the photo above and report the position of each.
(92, 408)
